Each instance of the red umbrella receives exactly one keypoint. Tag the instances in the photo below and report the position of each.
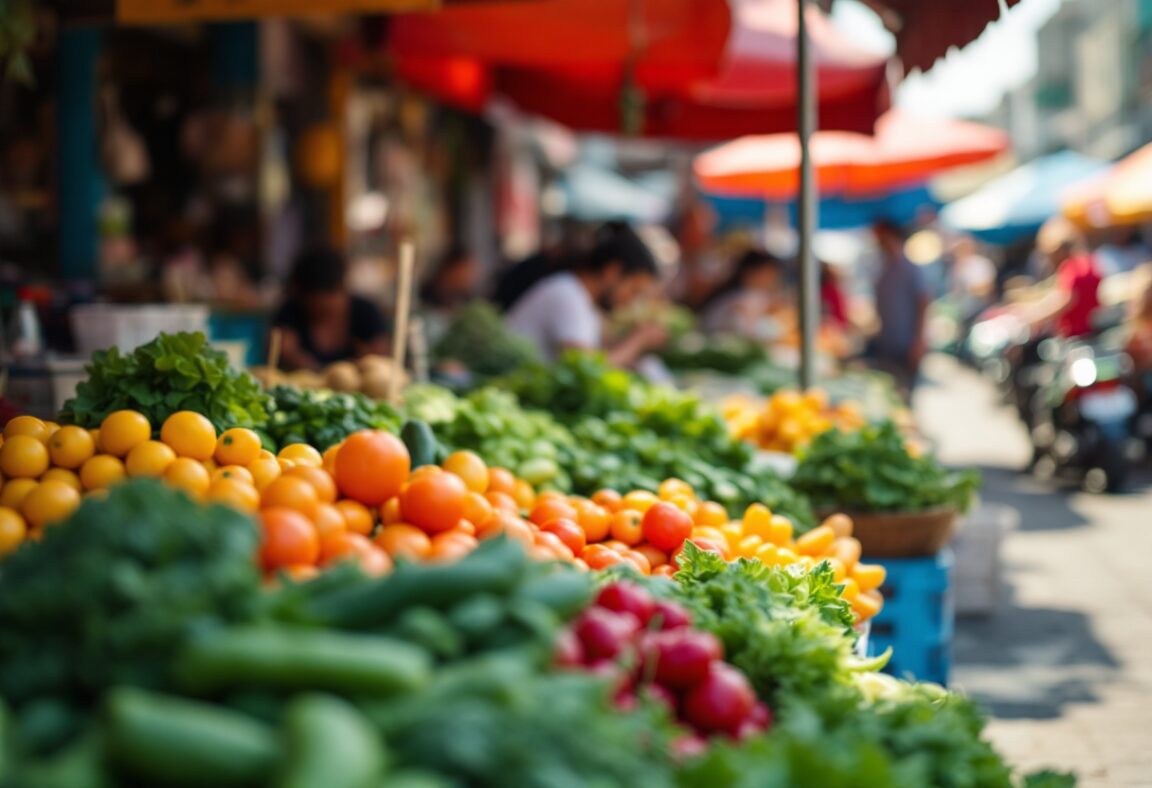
(904, 151)
(752, 88)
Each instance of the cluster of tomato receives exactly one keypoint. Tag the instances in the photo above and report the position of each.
(789, 419)
(650, 649)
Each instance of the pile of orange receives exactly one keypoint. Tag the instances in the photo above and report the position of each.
(789, 419)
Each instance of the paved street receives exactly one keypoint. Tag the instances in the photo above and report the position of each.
(1065, 665)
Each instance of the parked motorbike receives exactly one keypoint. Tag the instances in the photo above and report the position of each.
(1081, 418)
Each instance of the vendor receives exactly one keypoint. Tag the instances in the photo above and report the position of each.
(740, 305)
(321, 322)
(563, 311)
(1071, 303)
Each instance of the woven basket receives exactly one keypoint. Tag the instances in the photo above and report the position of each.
(903, 534)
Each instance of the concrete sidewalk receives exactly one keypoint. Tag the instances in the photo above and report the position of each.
(1065, 665)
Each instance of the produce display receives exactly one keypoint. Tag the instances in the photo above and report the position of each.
(874, 469)
(324, 418)
(788, 420)
(478, 341)
(171, 373)
(631, 435)
(371, 375)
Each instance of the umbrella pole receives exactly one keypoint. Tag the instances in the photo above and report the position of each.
(807, 206)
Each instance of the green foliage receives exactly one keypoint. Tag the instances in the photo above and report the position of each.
(173, 372)
(871, 470)
(109, 596)
(323, 418)
(478, 339)
(729, 353)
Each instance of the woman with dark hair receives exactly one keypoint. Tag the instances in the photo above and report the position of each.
(321, 322)
(738, 305)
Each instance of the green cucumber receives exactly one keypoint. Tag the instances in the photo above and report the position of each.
(330, 744)
(167, 740)
(421, 442)
(290, 658)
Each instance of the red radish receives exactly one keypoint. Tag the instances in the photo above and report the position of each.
(568, 651)
(671, 615)
(605, 634)
(722, 702)
(627, 598)
(761, 716)
(680, 659)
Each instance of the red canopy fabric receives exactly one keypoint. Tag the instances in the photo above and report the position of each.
(905, 151)
(752, 88)
(926, 29)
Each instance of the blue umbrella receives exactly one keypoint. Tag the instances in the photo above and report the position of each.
(836, 213)
(1012, 207)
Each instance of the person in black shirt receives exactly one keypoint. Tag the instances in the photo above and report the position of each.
(321, 322)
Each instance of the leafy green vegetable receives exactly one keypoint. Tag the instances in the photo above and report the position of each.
(109, 596)
(323, 418)
(172, 372)
(872, 470)
(729, 353)
(478, 339)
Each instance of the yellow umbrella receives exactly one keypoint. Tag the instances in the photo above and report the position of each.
(1121, 196)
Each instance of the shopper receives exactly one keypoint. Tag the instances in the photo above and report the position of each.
(1071, 303)
(740, 305)
(321, 322)
(564, 311)
(902, 299)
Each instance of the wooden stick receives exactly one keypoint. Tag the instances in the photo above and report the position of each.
(400, 329)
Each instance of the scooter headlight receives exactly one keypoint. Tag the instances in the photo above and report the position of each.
(1083, 372)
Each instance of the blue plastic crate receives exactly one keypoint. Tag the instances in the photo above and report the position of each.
(918, 619)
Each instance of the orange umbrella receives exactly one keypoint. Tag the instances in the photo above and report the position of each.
(1123, 196)
(905, 151)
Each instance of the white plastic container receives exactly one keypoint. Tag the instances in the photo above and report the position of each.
(101, 326)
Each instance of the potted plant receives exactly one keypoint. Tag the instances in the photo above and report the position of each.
(903, 502)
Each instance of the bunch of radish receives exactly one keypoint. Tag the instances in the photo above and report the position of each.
(650, 648)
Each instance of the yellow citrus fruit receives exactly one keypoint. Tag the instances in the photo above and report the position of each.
(292, 492)
(190, 435)
(70, 446)
(26, 425)
(233, 472)
(101, 472)
(237, 446)
(23, 457)
(264, 454)
(301, 454)
(329, 458)
(235, 493)
(122, 431)
(469, 467)
(50, 502)
(15, 491)
(149, 458)
(188, 475)
(13, 530)
(264, 470)
(63, 475)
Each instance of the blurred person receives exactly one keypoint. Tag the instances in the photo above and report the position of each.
(453, 284)
(564, 311)
(740, 304)
(321, 322)
(902, 298)
(554, 256)
(1069, 305)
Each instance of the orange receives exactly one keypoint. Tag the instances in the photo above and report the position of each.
(149, 458)
(63, 475)
(264, 470)
(594, 519)
(372, 466)
(501, 480)
(390, 511)
(185, 473)
(289, 539)
(70, 446)
(552, 508)
(609, 499)
(329, 458)
(655, 555)
(524, 494)
(328, 521)
(450, 547)
(101, 472)
(123, 430)
(357, 516)
(502, 502)
(554, 545)
(23, 457)
(627, 527)
(470, 468)
(301, 454)
(639, 501)
(711, 513)
(597, 556)
(320, 480)
(235, 493)
(434, 503)
(404, 541)
(238, 472)
(477, 509)
(638, 560)
(237, 446)
(345, 546)
(13, 530)
(15, 491)
(190, 435)
(569, 532)
(51, 502)
(290, 492)
(26, 425)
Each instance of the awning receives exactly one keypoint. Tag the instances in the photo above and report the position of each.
(1123, 196)
(163, 12)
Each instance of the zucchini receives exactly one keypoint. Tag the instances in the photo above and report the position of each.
(421, 442)
(280, 657)
(167, 740)
(330, 744)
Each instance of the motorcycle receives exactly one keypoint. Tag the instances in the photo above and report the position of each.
(1081, 419)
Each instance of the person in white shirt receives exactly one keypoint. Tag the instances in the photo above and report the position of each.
(564, 311)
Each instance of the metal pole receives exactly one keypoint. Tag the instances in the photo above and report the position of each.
(807, 202)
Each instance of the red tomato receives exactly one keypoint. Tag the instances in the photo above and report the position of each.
(372, 466)
(289, 538)
(569, 533)
(722, 702)
(597, 556)
(552, 508)
(555, 545)
(435, 503)
(666, 526)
